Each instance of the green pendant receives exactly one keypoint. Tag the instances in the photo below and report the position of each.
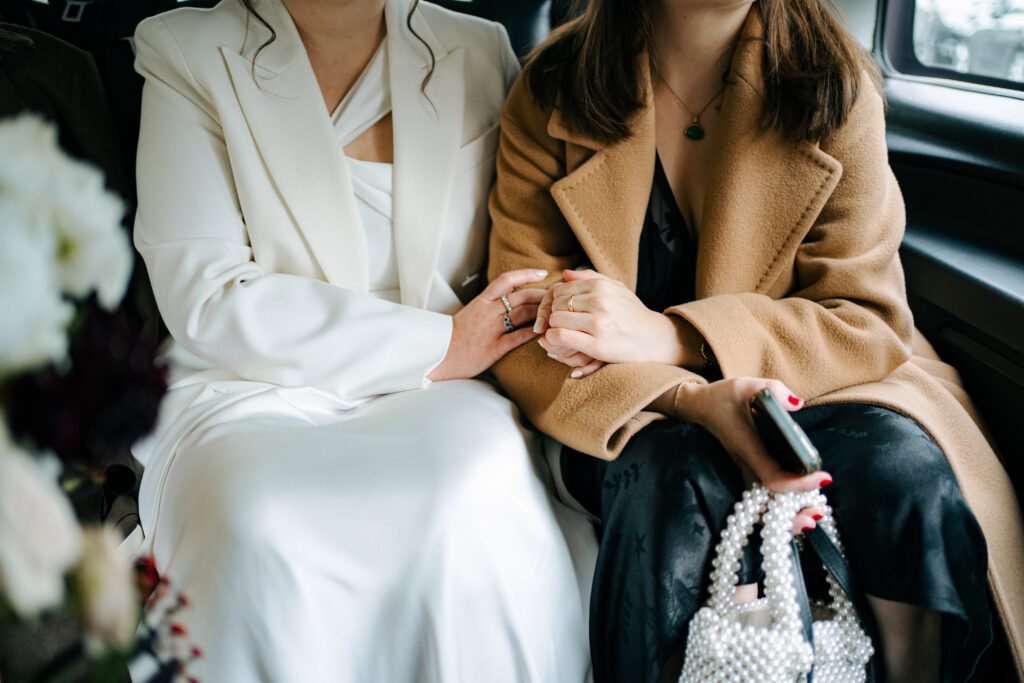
(695, 132)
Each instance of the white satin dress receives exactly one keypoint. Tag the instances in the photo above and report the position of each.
(411, 538)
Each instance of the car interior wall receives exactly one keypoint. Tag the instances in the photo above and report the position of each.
(957, 148)
(859, 18)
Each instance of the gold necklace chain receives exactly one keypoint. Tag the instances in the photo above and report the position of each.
(695, 131)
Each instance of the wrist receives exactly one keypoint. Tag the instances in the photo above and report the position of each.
(686, 402)
(682, 343)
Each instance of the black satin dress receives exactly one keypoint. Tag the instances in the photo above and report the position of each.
(910, 536)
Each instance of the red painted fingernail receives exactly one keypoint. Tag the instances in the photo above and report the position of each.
(824, 483)
(816, 517)
(807, 528)
(795, 400)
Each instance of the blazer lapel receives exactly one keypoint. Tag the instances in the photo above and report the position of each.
(285, 111)
(427, 135)
(605, 198)
(764, 192)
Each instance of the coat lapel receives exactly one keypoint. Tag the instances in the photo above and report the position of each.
(290, 124)
(764, 192)
(427, 134)
(605, 198)
(763, 195)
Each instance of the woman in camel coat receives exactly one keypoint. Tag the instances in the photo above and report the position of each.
(763, 245)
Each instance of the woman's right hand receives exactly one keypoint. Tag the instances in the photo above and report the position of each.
(723, 408)
(479, 336)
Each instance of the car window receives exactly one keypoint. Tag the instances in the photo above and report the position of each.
(973, 40)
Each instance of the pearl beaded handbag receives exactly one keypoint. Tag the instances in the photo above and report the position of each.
(774, 638)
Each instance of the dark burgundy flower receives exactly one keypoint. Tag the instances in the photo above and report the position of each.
(92, 412)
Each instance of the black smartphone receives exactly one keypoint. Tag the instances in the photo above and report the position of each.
(782, 436)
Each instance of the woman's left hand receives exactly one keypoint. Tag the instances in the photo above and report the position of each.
(723, 408)
(591, 317)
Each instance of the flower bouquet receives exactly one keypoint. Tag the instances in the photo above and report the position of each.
(79, 383)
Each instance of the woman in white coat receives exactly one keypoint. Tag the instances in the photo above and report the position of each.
(312, 183)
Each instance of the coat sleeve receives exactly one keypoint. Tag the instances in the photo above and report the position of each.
(216, 300)
(845, 320)
(598, 414)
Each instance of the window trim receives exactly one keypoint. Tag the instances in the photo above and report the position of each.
(894, 47)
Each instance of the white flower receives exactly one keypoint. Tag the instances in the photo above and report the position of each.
(39, 537)
(33, 315)
(65, 197)
(93, 250)
(30, 160)
(108, 591)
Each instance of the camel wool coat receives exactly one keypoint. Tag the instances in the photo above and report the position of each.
(798, 278)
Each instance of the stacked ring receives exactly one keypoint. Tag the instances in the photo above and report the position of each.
(508, 306)
(508, 323)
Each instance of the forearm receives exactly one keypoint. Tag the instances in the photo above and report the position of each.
(596, 415)
(812, 346)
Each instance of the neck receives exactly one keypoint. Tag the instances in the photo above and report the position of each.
(338, 25)
(693, 43)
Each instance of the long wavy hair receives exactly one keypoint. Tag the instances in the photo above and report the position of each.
(590, 67)
(249, 6)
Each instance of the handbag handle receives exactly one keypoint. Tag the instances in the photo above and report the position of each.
(828, 551)
(776, 513)
(738, 527)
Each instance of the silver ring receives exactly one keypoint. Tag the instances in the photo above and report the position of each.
(508, 306)
(571, 309)
(508, 324)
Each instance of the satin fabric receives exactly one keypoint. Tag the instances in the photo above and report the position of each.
(908, 533)
(412, 541)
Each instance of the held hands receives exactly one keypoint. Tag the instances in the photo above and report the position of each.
(480, 336)
(723, 408)
(590, 319)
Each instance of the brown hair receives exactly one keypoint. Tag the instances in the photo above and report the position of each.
(590, 69)
(408, 22)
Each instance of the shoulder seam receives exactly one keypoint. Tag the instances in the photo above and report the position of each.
(181, 53)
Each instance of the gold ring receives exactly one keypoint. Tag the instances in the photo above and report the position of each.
(571, 309)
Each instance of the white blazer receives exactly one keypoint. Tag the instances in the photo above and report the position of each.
(247, 221)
